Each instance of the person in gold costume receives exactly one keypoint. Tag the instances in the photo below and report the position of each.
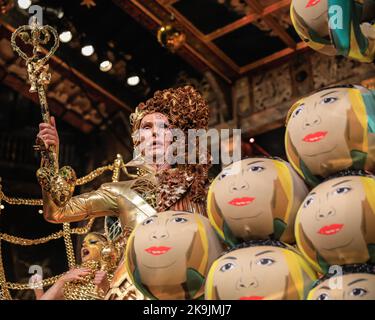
(83, 276)
(159, 187)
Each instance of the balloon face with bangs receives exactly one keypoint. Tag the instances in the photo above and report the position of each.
(243, 193)
(169, 255)
(162, 243)
(317, 129)
(92, 247)
(258, 198)
(259, 273)
(336, 221)
(356, 286)
(254, 273)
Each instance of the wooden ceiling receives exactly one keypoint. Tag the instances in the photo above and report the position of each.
(236, 45)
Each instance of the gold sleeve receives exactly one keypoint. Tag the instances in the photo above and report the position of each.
(98, 203)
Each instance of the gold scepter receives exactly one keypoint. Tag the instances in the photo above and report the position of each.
(59, 183)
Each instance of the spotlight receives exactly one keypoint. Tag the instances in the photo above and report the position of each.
(252, 140)
(65, 36)
(40, 211)
(24, 4)
(105, 65)
(2, 207)
(87, 50)
(133, 81)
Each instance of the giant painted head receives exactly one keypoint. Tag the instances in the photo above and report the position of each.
(331, 130)
(260, 270)
(336, 27)
(352, 282)
(169, 255)
(255, 198)
(336, 223)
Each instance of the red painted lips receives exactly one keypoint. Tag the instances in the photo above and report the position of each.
(157, 251)
(240, 202)
(314, 137)
(331, 229)
(252, 298)
(312, 3)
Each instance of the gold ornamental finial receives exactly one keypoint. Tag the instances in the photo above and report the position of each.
(59, 183)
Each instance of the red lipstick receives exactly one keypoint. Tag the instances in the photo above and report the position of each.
(252, 298)
(240, 202)
(157, 251)
(312, 3)
(314, 137)
(331, 229)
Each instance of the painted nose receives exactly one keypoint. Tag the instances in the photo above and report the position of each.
(325, 213)
(159, 234)
(239, 185)
(251, 282)
(312, 121)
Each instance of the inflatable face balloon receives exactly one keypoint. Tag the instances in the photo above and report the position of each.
(255, 198)
(336, 27)
(349, 283)
(169, 255)
(336, 223)
(260, 270)
(330, 131)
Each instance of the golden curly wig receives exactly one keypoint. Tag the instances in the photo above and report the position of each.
(185, 109)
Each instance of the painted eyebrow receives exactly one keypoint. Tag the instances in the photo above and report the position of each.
(344, 181)
(257, 161)
(355, 281)
(325, 288)
(312, 193)
(179, 214)
(154, 216)
(263, 252)
(326, 94)
(231, 258)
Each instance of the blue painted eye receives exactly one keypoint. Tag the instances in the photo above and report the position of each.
(228, 266)
(298, 110)
(308, 201)
(342, 190)
(224, 174)
(328, 100)
(358, 292)
(265, 262)
(148, 221)
(323, 296)
(180, 220)
(256, 168)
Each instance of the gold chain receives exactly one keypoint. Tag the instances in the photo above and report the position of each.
(4, 292)
(65, 233)
(69, 246)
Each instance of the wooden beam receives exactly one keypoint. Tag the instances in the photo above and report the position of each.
(246, 20)
(198, 34)
(273, 57)
(96, 92)
(169, 2)
(206, 57)
(272, 23)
